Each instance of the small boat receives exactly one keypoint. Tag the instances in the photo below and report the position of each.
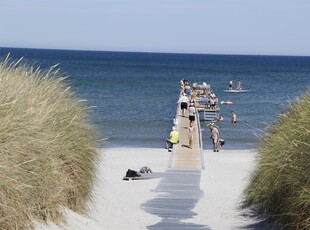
(236, 91)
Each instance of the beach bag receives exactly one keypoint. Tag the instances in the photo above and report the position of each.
(132, 173)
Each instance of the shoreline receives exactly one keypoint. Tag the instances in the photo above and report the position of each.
(116, 203)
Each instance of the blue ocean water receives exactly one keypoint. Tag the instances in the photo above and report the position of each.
(135, 94)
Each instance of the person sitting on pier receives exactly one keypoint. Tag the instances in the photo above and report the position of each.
(212, 94)
(205, 93)
(213, 102)
(195, 86)
(173, 138)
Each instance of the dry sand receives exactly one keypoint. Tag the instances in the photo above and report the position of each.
(116, 203)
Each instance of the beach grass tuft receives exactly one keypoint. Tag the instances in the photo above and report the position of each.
(47, 146)
(280, 186)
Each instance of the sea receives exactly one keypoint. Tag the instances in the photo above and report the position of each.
(133, 95)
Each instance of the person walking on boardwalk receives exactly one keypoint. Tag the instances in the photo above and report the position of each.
(173, 138)
(215, 137)
(191, 112)
(191, 130)
(184, 102)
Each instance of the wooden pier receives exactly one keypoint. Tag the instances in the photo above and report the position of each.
(179, 189)
(182, 156)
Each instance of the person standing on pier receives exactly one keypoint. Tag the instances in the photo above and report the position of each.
(215, 137)
(184, 102)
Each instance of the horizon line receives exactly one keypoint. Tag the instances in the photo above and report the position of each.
(153, 52)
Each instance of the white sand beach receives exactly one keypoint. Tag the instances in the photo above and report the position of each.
(116, 202)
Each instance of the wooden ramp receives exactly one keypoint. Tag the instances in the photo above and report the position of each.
(182, 156)
(176, 196)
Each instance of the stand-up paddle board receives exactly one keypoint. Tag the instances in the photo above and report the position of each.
(236, 91)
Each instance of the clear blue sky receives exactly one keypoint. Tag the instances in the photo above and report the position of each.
(268, 27)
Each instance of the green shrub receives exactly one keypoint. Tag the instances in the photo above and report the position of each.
(47, 147)
(280, 186)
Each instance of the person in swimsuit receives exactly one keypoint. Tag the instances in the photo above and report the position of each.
(233, 118)
(191, 130)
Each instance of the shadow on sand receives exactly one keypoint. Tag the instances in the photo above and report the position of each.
(178, 193)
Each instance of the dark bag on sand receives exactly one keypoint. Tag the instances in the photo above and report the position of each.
(132, 173)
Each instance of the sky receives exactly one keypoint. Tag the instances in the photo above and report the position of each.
(259, 27)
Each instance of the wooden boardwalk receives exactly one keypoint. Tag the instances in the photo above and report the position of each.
(179, 189)
(182, 156)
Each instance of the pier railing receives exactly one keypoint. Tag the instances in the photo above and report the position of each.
(200, 140)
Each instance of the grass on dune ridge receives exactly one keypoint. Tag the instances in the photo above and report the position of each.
(47, 147)
(280, 186)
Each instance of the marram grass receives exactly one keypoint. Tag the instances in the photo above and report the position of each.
(280, 186)
(47, 147)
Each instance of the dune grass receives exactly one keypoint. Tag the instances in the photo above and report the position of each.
(280, 186)
(47, 147)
